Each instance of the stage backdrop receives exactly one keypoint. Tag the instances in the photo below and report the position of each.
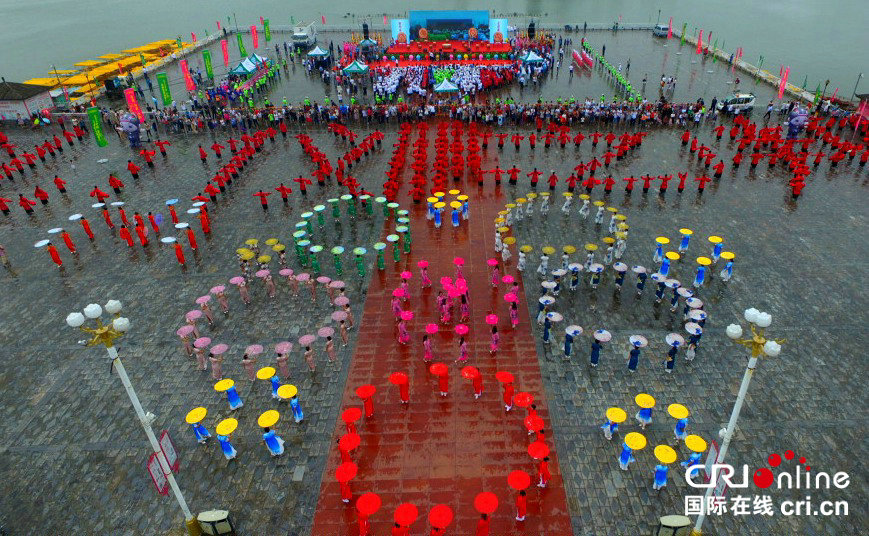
(449, 25)
(498, 31)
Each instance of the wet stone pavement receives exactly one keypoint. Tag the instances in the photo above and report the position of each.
(70, 442)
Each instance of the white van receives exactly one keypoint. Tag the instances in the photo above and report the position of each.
(661, 30)
(741, 102)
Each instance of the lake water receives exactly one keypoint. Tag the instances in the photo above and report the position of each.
(818, 39)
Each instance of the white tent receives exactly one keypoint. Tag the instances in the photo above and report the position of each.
(445, 86)
(531, 57)
(318, 52)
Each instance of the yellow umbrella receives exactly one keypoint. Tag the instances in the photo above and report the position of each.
(287, 391)
(439, 194)
(440, 204)
(510, 240)
(598, 203)
(455, 192)
(695, 443)
(264, 258)
(663, 240)
(665, 454)
(223, 385)
(279, 247)
(226, 427)
(462, 197)
(634, 441)
(678, 411)
(526, 248)
(268, 418)
(645, 400)
(549, 250)
(570, 250)
(455, 204)
(265, 373)
(623, 226)
(432, 199)
(621, 235)
(503, 229)
(672, 255)
(544, 194)
(510, 205)
(584, 196)
(499, 220)
(247, 256)
(271, 241)
(567, 194)
(715, 239)
(243, 251)
(727, 255)
(616, 415)
(531, 195)
(621, 217)
(612, 209)
(591, 247)
(609, 240)
(251, 241)
(520, 200)
(196, 415)
(686, 231)
(704, 261)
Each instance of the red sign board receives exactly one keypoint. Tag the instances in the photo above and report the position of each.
(168, 448)
(157, 475)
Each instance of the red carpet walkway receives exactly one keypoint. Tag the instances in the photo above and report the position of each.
(443, 450)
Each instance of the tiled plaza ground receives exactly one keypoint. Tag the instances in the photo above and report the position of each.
(70, 442)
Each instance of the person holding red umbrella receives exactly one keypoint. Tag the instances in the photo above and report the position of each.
(400, 379)
(473, 374)
(543, 472)
(344, 473)
(366, 393)
(440, 517)
(485, 503)
(366, 506)
(442, 372)
(506, 379)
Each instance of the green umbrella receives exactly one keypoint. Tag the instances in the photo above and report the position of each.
(379, 247)
(360, 260)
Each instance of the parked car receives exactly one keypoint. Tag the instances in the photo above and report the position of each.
(740, 102)
(660, 30)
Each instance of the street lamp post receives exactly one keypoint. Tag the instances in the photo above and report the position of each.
(106, 334)
(760, 346)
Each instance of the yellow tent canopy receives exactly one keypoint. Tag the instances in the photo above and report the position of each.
(77, 80)
(112, 56)
(88, 63)
(47, 82)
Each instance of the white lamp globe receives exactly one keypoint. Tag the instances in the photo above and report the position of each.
(734, 331)
(751, 315)
(772, 348)
(93, 310)
(121, 324)
(763, 320)
(113, 307)
(74, 320)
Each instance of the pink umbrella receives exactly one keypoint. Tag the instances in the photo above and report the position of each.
(338, 316)
(422, 264)
(511, 297)
(461, 329)
(337, 284)
(454, 293)
(398, 293)
(237, 280)
(261, 273)
(458, 261)
(492, 262)
(284, 347)
(323, 280)
(218, 349)
(303, 276)
(306, 340)
(446, 281)
(341, 301)
(407, 315)
(286, 272)
(217, 290)
(254, 349)
(201, 342)
(406, 275)
(193, 315)
(431, 329)
(508, 279)
(184, 331)
(492, 319)
(203, 299)
(461, 286)
(325, 332)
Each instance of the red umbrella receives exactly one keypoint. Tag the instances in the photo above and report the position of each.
(349, 442)
(533, 423)
(351, 415)
(440, 516)
(397, 378)
(538, 450)
(406, 514)
(438, 369)
(368, 504)
(469, 372)
(365, 391)
(346, 472)
(504, 377)
(486, 502)
(518, 480)
(523, 399)
(491, 319)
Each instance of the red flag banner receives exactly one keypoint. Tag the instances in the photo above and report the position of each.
(700, 43)
(120, 68)
(218, 25)
(254, 37)
(193, 36)
(133, 103)
(670, 29)
(224, 47)
(323, 18)
(188, 80)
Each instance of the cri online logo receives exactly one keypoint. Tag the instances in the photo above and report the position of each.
(764, 477)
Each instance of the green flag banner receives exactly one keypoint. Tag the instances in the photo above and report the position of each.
(97, 126)
(142, 57)
(684, 29)
(206, 58)
(163, 83)
(178, 42)
(267, 30)
(292, 19)
(241, 49)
